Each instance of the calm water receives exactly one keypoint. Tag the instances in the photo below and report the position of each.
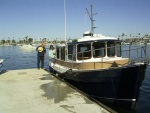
(16, 58)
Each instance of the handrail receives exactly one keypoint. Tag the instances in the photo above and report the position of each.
(143, 49)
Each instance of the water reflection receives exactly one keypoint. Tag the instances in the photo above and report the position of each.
(58, 91)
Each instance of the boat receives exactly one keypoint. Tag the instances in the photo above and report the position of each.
(28, 46)
(1, 62)
(94, 64)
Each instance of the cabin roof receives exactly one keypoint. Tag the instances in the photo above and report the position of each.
(96, 39)
(93, 39)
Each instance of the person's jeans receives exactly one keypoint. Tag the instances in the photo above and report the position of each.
(40, 59)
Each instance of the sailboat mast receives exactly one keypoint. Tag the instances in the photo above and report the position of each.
(65, 19)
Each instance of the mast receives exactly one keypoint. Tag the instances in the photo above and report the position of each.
(65, 19)
(92, 20)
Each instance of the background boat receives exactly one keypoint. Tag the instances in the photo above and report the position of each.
(27, 46)
(1, 62)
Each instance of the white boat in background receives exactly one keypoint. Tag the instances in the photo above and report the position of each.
(148, 43)
(125, 43)
(1, 62)
(28, 46)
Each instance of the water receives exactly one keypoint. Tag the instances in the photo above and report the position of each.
(16, 58)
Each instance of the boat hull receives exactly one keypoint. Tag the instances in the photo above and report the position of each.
(119, 85)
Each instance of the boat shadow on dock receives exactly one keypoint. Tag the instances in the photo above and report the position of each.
(59, 77)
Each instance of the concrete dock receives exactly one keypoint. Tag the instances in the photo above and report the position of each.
(37, 91)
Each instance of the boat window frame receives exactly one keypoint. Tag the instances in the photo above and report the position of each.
(111, 49)
(58, 54)
(118, 47)
(88, 34)
(72, 52)
(62, 52)
(84, 54)
(103, 49)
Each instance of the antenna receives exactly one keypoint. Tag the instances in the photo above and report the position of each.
(85, 21)
(92, 20)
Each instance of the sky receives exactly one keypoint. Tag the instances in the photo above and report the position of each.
(46, 18)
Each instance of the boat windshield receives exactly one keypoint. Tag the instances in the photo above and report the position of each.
(98, 49)
(110, 49)
(113, 49)
(89, 34)
(84, 51)
(72, 52)
(118, 49)
(60, 53)
(63, 53)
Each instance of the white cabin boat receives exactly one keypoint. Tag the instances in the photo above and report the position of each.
(27, 46)
(95, 65)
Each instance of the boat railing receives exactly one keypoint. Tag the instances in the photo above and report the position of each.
(136, 53)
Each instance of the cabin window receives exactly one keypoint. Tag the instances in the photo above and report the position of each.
(90, 34)
(118, 49)
(84, 51)
(98, 49)
(63, 53)
(72, 52)
(110, 49)
(57, 53)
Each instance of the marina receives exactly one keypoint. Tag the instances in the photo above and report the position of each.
(88, 73)
(37, 91)
(16, 59)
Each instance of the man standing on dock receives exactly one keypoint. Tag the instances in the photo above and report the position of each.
(41, 53)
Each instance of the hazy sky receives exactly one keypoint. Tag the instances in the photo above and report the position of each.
(45, 18)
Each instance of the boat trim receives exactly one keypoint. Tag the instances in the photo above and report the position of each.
(133, 100)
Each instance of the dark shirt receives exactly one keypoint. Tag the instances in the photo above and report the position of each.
(40, 51)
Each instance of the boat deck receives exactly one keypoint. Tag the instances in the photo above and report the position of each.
(37, 91)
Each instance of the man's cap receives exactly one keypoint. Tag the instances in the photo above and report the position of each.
(40, 49)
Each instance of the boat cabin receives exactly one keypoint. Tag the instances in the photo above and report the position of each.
(91, 49)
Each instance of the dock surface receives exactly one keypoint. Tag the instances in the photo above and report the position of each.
(37, 91)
